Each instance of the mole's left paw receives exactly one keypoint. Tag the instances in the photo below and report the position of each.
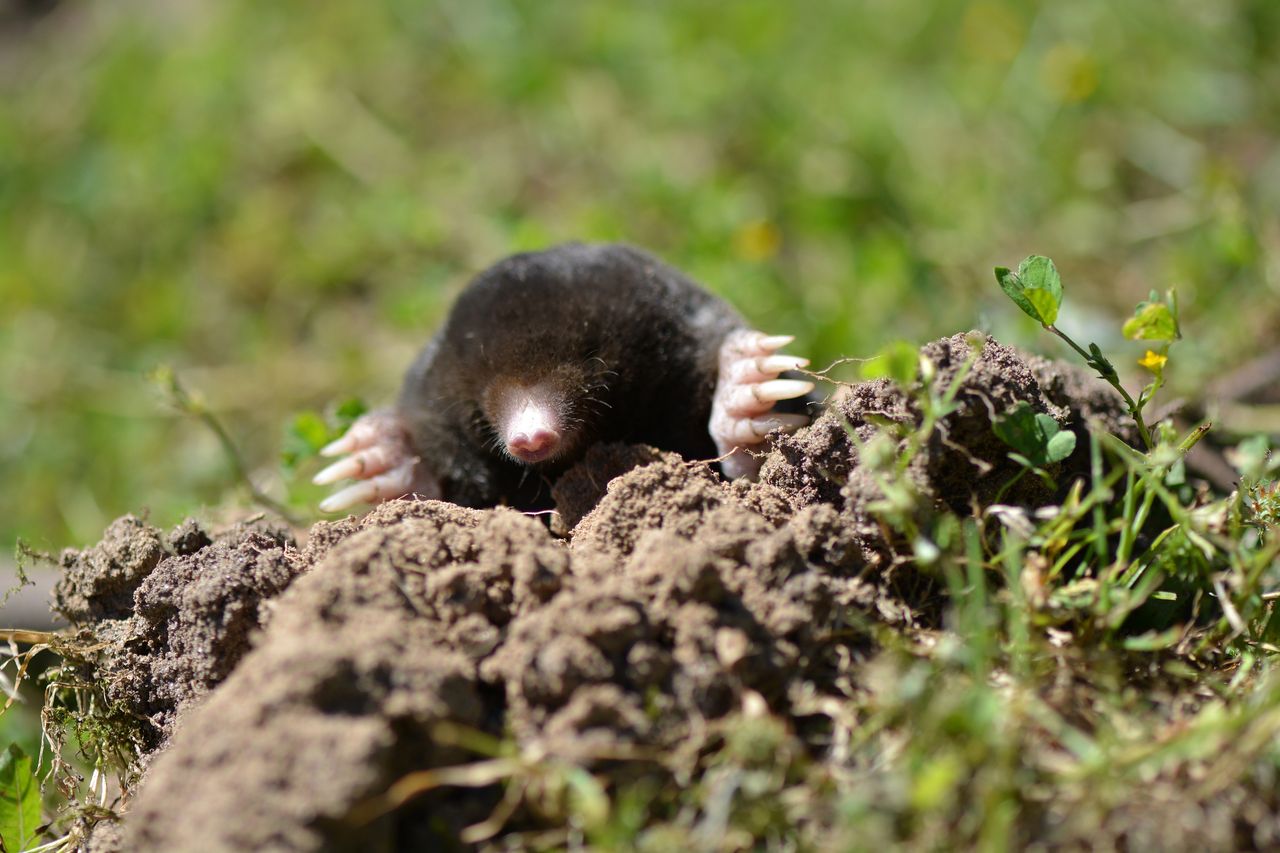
(742, 410)
(381, 460)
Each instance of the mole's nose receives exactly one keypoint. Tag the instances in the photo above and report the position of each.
(535, 445)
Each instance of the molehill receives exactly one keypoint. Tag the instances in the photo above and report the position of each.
(279, 696)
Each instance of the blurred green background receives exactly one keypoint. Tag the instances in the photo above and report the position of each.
(280, 199)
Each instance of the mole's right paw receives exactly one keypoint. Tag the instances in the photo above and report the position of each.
(742, 414)
(381, 460)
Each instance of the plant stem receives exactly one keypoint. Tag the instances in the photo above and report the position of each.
(1134, 409)
(189, 405)
(31, 638)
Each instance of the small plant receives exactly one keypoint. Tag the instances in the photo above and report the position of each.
(1259, 490)
(1134, 548)
(1036, 288)
(309, 431)
(1037, 439)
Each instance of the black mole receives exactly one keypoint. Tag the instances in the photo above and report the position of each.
(546, 353)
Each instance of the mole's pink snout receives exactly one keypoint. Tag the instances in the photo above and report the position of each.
(533, 435)
(534, 448)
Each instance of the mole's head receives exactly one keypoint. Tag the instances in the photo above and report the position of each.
(533, 339)
(543, 418)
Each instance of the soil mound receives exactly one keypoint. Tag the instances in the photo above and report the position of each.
(398, 643)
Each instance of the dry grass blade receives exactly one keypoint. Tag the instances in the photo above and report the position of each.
(475, 775)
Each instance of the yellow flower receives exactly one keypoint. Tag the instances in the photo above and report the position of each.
(1153, 361)
(758, 241)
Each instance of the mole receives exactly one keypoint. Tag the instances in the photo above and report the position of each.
(544, 354)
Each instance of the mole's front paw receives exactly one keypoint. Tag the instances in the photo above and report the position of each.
(742, 411)
(381, 460)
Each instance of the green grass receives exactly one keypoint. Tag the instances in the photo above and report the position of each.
(280, 205)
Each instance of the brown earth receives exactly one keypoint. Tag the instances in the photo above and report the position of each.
(277, 693)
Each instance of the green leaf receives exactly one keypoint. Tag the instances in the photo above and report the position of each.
(898, 361)
(1043, 286)
(1036, 288)
(589, 799)
(1060, 445)
(1045, 303)
(1037, 437)
(307, 433)
(1152, 321)
(1013, 287)
(1022, 460)
(1017, 428)
(1100, 363)
(347, 412)
(310, 429)
(19, 799)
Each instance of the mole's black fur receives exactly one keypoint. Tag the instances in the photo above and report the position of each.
(630, 345)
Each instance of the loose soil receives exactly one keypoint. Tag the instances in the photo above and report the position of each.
(277, 693)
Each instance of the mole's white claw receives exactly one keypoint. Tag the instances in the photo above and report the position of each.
(340, 470)
(352, 495)
(395, 483)
(781, 389)
(742, 410)
(745, 370)
(774, 342)
(745, 343)
(778, 363)
(346, 444)
(366, 463)
(758, 398)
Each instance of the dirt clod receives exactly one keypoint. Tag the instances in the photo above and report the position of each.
(164, 625)
(98, 583)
